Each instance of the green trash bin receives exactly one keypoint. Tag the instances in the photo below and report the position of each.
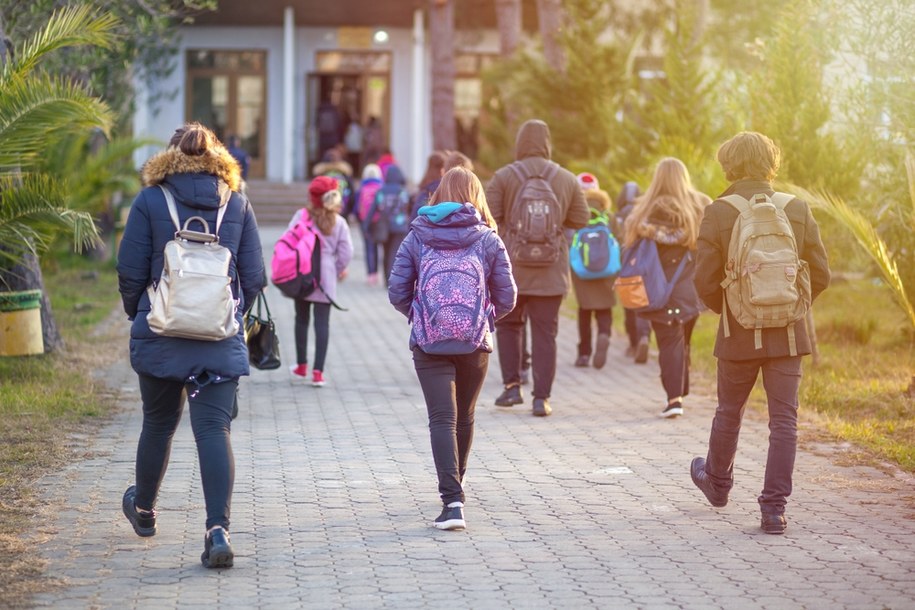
(20, 323)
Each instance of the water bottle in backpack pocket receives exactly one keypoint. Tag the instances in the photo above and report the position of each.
(451, 312)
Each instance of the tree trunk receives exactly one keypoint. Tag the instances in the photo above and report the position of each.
(441, 32)
(550, 16)
(27, 276)
(508, 19)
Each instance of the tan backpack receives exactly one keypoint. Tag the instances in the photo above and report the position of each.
(766, 284)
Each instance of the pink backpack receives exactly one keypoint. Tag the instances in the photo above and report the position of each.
(367, 199)
(296, 265)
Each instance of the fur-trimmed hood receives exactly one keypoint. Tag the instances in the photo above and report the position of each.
(217, 162)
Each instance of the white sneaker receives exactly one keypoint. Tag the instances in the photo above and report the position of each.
(674, 410)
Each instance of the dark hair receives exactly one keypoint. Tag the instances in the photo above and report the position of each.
(434, 168)
(458, 159)
(193, 139)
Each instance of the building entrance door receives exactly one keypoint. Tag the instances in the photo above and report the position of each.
(348, 92)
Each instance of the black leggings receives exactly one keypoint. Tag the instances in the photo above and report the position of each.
(451, 385)
(211, 412)
(322, 332)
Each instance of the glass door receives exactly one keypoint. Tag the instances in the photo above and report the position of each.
(227, 93)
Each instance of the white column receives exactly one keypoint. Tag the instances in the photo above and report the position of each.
(418, 128)
(288, 93)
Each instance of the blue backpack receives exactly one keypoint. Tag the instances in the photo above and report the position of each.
(595, 253)
(642, 284)
(451, 312)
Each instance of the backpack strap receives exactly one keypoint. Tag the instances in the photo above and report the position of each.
(520, 170)
(739, 203)
(173, 209)
(780, 200)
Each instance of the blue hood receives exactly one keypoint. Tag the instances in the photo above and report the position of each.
(449, 225)
(199, 191)
(395, 175)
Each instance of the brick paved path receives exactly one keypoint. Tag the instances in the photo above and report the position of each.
(590, 508)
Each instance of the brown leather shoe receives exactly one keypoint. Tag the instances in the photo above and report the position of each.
(716, 497)
(774, 523)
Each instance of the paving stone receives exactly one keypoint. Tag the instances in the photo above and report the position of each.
(593, 507)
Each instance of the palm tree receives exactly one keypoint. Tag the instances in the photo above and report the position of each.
(35, 108)
(441, 31)
(550, 14)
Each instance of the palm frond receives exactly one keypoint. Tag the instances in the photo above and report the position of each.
(910, 173)
(33, 109)
(69, 26)
(867, 236)
(32, 213)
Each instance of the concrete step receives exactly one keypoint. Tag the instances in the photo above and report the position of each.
(275, 202)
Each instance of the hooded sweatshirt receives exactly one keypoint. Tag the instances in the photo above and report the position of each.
(533, 149)
(450, 226)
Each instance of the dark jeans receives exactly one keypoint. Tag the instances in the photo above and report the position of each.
(451, 385)
(322, 332)
(543, 314)
(211, 411)
(390, 249)
(673, 356)
(604, 318)
(371, 253)
(781, 380)
(636, 327)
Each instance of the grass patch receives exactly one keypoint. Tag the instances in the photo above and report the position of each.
(40, 396)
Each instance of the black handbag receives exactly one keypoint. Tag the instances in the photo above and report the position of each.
(260, 336)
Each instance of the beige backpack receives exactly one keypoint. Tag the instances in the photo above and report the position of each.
(766, 284)
(193, 298)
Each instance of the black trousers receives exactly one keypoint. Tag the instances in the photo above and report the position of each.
(673, 355)
(604, 319)
(781, 380)
(543, 314)
(211, 413)
(636, 327)
(451, 385)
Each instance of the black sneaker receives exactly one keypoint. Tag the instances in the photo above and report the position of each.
(600, 350)
(511, 396)
(716, 497)
(542, 407)
(452, 518)
(674, 410)
(774, 523)
(144, 524)
(217, 551)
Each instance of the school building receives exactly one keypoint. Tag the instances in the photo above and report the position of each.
(290, 76)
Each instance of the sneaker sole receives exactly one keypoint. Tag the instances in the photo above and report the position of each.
(295, 375)
(600, 355)
(318, 384)
(772, 530)
(671, 413)
(451, 524)
(221, 558)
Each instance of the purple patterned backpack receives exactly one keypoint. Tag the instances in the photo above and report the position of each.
(451, 311)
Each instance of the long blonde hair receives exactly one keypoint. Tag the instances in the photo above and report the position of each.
(672, 194)
(325, 217)
(461, 185)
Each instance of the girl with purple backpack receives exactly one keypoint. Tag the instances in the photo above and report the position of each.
(452, 278)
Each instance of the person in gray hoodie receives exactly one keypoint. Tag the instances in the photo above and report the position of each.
(541, 285)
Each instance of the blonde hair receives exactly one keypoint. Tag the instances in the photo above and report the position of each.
(325, 217)
(672, 194)
(461, 185)
(749, 155)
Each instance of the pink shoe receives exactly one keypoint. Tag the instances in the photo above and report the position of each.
(372, 279)
(317, 378)
(300, 370)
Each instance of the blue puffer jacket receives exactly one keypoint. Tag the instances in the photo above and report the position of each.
(450, 226)
(195, 182)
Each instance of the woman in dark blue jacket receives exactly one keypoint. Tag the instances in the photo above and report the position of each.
(452, 278)
(202, 176)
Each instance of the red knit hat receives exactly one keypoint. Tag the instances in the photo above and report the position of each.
(587, 181)
(319, 186)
